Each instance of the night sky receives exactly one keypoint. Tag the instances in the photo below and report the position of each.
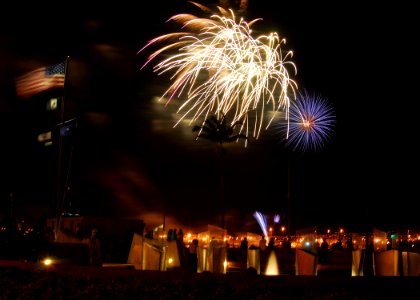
(128, 160)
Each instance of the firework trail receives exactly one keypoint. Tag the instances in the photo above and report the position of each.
(262, 221)
(221, 69)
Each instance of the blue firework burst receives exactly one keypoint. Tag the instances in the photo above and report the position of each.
(311, 122)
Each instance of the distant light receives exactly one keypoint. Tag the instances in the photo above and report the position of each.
(47, 262)
(170, 260)
(67, 130)
(52, 104)
(44, 137)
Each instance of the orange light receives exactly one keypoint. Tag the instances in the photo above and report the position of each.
(47, 262)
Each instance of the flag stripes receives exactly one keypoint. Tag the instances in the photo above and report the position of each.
(40, 80)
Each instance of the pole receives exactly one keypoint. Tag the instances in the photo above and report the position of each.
(60, 155)
(222, 183)
(289, 200)
(223, 198)
(11, 205)
(58, 187)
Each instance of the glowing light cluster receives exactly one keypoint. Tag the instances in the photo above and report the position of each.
(222, 69)
(311, 122)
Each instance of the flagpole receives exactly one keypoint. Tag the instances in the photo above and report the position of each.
(289, 194)
(60, 155)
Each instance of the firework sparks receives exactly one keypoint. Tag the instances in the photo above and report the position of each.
(262, 221)
(311, 122)
(221, 69)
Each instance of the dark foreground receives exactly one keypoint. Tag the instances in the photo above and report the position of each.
(25, 281)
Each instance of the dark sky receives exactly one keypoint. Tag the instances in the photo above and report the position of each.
(129, 160)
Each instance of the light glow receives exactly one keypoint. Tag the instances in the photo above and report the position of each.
(47, 262)
(272, 265)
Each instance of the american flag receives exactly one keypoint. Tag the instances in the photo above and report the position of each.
(40, 80)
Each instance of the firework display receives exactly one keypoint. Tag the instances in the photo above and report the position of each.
(311, 122)
(217, 67)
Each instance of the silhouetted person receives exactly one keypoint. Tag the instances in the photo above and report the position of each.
(181, 247)
(263, 243)
(95, 249)
(180, 235)
(149, 234)
(349, 244)
(368, 269)
(338, 245)
(323, 251)
(244, 244)
(271, 245)
(174, 235)
(169, 235)
(286, 243)
(192, 257)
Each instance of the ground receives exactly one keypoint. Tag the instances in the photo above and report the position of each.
(24, 280)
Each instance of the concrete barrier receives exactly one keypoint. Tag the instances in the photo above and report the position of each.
(306, 262)
(386, 263)
(410, 263)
